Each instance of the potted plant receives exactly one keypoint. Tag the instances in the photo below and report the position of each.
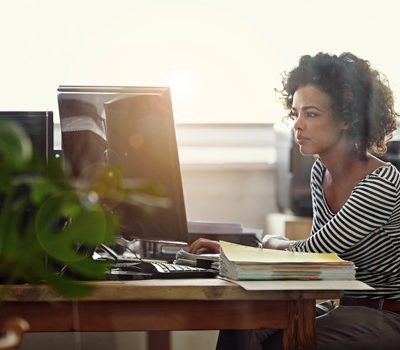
(44, 217)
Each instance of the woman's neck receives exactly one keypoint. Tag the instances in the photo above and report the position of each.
(340, 166)
(349, 167)
(341, 160)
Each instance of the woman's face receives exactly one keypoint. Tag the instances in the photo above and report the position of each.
(316, 128)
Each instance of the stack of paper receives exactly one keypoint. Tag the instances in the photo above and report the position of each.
(240, 262)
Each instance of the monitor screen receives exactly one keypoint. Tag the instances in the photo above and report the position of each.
(133, 128)
(38, 126)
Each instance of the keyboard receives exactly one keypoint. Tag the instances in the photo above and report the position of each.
(146, 270)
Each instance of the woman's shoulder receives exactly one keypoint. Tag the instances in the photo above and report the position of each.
(386, 175)
(386, 171)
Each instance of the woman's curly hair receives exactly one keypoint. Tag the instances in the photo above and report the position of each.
(360, 95)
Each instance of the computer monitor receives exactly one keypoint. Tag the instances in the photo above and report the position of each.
(39, 127)
(133, 128)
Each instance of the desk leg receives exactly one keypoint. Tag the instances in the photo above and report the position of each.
(158, 340)
(301, 331)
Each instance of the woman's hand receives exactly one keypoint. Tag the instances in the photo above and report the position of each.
(203, 245)
(275, 242)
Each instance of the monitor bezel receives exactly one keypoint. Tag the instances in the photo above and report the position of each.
(181, 225)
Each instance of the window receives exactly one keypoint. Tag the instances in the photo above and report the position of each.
(222, 58)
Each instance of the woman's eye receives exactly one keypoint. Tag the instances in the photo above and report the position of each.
(312, 114)
(293, 115)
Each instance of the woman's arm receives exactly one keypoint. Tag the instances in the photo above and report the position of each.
(203, 245)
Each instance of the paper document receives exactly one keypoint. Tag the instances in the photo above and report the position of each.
(303, 285)
(243, 254)
(239, 262)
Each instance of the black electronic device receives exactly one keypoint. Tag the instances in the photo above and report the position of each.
(137, 269)
(157, 269)
(39, 127)
(392, 154)
(133, 128)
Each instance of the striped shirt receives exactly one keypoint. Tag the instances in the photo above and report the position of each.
(366, 230)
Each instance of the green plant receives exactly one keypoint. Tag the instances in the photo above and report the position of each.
(43, 217)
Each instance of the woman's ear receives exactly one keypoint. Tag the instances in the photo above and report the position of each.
(344, 125)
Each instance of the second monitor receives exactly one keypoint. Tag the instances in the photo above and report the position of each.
(131, 127)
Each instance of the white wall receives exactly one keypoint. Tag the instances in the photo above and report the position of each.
(233, 193)
(222, 58)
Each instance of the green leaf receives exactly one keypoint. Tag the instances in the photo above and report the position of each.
(15, 146)
(88, 225)
(11, 234)
(66, 286)
(90, 268)
(112, 223)
(5, 179)
(56, 173)
(8, 226)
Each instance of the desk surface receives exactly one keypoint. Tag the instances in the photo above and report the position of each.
(168, 289)
(160, 305)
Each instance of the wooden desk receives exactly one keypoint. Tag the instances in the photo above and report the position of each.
(161, 305)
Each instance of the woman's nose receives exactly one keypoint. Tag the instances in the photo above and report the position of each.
(298, 122)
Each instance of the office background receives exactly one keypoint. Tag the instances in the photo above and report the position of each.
(222, 59)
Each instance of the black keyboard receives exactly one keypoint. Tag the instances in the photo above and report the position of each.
(145, 270)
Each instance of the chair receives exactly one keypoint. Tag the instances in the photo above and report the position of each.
(12, 333)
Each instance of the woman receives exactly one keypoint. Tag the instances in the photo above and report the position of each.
(343, 113)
